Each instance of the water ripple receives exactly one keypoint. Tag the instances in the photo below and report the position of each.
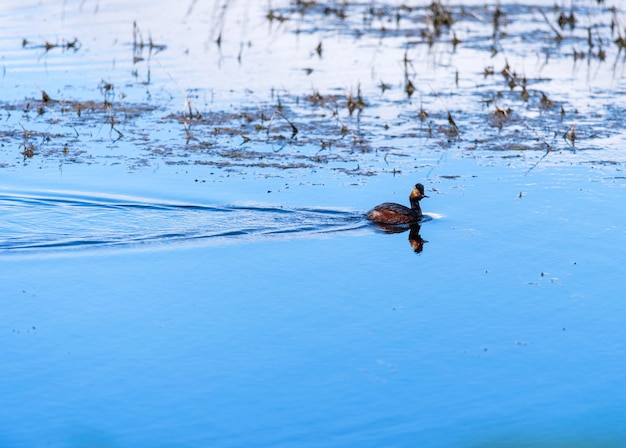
(71, 220)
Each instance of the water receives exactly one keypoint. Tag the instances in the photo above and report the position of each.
(505, 327)
(68, 219)
(207, 278)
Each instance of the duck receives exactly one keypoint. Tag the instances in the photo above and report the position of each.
(392, 213)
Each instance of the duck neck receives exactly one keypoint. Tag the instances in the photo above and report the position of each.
(415, 206)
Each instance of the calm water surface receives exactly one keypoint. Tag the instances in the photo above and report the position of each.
(506, 327)
(176, 279)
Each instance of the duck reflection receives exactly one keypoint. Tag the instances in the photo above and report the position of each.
(415, 239)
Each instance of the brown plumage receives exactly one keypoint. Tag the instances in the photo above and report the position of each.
(392, 213)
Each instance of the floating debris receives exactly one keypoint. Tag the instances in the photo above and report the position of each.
(512, 105)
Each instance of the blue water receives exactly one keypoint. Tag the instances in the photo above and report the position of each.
(178, 269)
(505, 330)
(64, 220)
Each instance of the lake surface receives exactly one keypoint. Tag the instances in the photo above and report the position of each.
(184, 256)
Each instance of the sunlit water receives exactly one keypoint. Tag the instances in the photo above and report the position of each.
(179, 267)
